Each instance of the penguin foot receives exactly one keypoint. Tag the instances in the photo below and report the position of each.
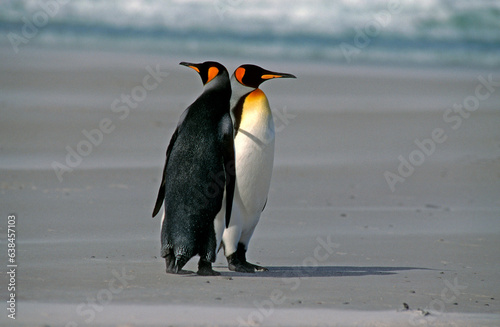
(258, 268)
(236, 264)
(179, 272)
(243, 268)
(238, 261)
(205, 269)
(174, 265)
(246, 267)
(207, 272)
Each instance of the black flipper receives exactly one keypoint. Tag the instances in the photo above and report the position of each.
(229, 164)
(238, 112)
(161, 191)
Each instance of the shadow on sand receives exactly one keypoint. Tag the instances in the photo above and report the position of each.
(322, 271)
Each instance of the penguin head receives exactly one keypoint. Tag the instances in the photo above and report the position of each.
(208, 70)
(252, 75)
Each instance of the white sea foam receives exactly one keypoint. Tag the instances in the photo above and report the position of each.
(459, 32)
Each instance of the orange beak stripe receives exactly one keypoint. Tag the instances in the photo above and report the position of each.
(269, 76)
(195, 68)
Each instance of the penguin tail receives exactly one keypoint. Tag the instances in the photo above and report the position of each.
(180, 262)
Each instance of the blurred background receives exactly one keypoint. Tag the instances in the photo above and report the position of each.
(429, 32)
(376, 79)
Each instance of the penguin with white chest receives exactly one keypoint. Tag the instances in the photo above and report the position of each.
(199, 169)
(254, 147)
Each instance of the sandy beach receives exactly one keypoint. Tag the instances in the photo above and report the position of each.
(384, 208)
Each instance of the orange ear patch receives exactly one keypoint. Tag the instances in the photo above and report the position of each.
(239, 73)
(212, 72)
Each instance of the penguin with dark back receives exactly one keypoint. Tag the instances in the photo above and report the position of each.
(199, 169)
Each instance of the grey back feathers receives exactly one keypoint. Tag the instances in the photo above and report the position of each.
(199, 167)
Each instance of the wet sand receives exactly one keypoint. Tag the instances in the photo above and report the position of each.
(342, 246)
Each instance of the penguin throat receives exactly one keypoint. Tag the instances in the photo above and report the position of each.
(239, 91)
(255, 95)
(250, 106)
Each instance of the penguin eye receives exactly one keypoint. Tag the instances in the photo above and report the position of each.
(212, 72)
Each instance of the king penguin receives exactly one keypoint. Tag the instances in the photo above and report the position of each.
(254, 147)
(199, 170)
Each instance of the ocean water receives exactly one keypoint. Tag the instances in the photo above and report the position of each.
(426, 32)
